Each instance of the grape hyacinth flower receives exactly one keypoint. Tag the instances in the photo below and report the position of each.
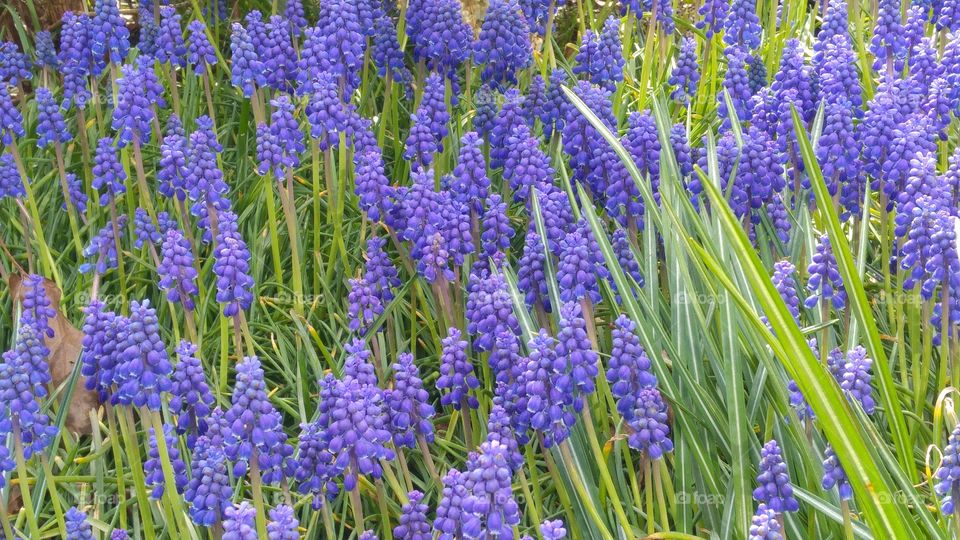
(411, 412)
(108, 173)
(531, 273)
(78, 197)
(551, 113)
(764, 525)
(109, 34)
(452, 219)
(888, 40)
(625, 256)
(379, 270)
(200, 52)
(279, 56)
(575, 352)
(579, 136)
(434, 262)
(144, 231)
(855, 378)
(500, 429)
(506, 122)
(553, 530)
(470, 182)
(628, 370)
(240, 522)
(742, 25)
(152, 468)
(489, 310)
(537, 14)
(825, 281)
(44, 52)
(456, 373)
(649, 431)
(355, 420)
(686, 72)
(713, 15)
(757, 72)
(247, 69)
(429, 124)
(834, 475)
(76, 525)
(786, 285)
(103, 248)
(172, 166)
(948, 474)
(10, 183)
(439, 34)
(357, 363)
(773, 482)
(736, 83)
(190, 398)
(326, 112)
(294, 13)
(503, 46)
(838, 80)
(24, 376)
(36, 306)
(543, 406)
(231, 266)
(485, 110)
(365, 306)
(143, 373)
(450, 515)
(51, 127)
(525, 165)
(149, 33)
(387, 55)
(283, 524)
(372, 185)
(119, 534)
(100, 355)
(177, 274)
(315, 471)
(170, 45)
(601, 56)
(489, 509)
(577, 267)
(336, 44)
(497, 231)
(11, 121)
(256, 427)
(413, 519)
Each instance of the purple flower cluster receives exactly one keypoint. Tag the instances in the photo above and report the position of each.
(255, 427)
(353, 430)
(773, 482)
(413, 519)
(51, 127)
(456, 373)
(947, 486)
(411, 412)
(209, 492)
(429, 124)
(503, 46)
(152, 467)
(825, 282)
(489, 310)
(143, 368)
(764, 525)
(24, 375)
(190, 398)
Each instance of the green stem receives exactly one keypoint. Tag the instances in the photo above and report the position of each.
(581, 489)
(23, 476)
